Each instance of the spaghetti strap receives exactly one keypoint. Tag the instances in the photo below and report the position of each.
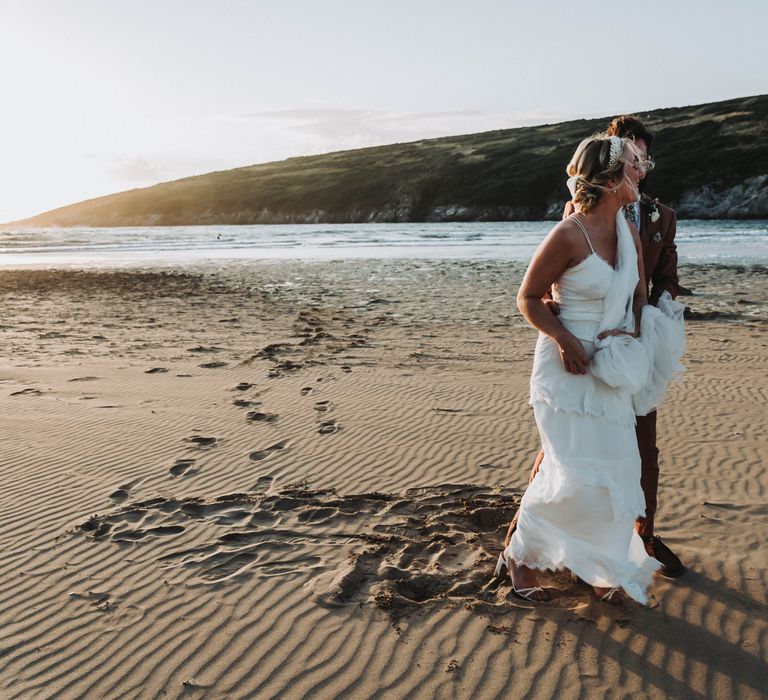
(584, 231)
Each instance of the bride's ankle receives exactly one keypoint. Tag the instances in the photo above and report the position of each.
(522, 571)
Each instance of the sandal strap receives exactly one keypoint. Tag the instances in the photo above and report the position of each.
(528, 591)
(609, 594)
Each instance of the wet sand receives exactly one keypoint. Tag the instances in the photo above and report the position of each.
(294, 479)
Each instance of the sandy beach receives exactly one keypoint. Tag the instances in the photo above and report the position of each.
(293, 480)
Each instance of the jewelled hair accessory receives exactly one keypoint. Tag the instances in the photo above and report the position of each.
(617, 148)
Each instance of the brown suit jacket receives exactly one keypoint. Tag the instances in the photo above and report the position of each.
(659, 248)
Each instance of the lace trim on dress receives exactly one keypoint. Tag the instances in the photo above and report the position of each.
(632, 578)
(540, 565)
(584, 405)
(626, 504)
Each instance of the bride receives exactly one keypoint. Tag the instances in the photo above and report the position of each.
(592, 368)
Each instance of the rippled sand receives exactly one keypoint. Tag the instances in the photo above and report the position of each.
(294, 479)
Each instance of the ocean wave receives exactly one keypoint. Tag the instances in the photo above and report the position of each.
(745, 241)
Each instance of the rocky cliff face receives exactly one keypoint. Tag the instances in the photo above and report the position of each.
(746, 200)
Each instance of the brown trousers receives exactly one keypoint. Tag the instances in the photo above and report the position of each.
(649, 475)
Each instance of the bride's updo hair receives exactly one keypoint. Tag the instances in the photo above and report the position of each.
(591, 170)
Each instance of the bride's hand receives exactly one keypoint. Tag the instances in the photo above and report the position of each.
(572, 354)
(552, 305)
(616, 331)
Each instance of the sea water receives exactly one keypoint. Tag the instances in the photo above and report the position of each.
(725, 242)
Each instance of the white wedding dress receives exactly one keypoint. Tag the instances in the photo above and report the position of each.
(579, 512)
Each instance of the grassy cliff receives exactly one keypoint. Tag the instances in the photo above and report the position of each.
(712, 162)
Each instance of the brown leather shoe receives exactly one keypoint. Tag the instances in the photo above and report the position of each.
(671, 566)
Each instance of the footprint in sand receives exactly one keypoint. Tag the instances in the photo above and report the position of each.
(129, 535)
(243, 386)
(346, 368)
(261, 417)
(263, 483)
(327, 427)
(306, 391)
(213, 365)
(99, 599)
(160, 531)
(323, 406)
(156, 370)
(202, 441)
(165, 530)
(394, 551)
(244, 403)
(27, 392)
(123, 492)
(82, 379)
(262, 454)
(182, 466)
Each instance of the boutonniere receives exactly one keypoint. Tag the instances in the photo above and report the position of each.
(655, 215)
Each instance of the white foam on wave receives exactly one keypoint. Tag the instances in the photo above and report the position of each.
(698, 241)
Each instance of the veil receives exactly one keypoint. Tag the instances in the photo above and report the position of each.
(643, 366)
(621, 361)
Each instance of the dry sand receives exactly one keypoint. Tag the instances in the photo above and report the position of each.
(292, 480)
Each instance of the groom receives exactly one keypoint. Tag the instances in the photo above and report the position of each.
(657, 225)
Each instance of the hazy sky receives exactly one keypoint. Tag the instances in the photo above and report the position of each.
(100, 96)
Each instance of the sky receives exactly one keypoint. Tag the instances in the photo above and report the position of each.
(100, 96)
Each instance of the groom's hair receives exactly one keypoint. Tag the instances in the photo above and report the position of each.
(629, 126)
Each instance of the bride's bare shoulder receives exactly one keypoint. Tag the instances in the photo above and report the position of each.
(565, 233)
(560, 247)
